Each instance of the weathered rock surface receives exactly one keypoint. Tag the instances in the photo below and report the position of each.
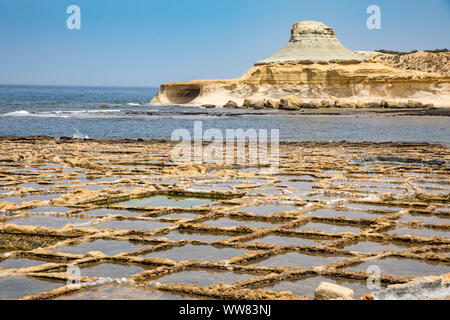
(331, 291)
(231, 104)
(438, 62)
(426, 288)
(313, 42)
(314, 65)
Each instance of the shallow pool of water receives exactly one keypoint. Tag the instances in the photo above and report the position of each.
(20, 200)
(115, 292)
(108, 247)
(367, 207)
(425, 219)
(373, 247)
(145, 225)
(306, 287)
(268, 209)
(19, 263)
(424, 233)
(225, 222)
(404, 268)
(286, 241)
(110, 270)
(46, 221)
(177, 236)
(43, 209)
(201, 253)
(299, 185)
(331, 213)
(182, 215)
(298, 260)
(164, 201)
(17, 287)
(328, 228)
(203, 278)
(35, 186)
(105, 211)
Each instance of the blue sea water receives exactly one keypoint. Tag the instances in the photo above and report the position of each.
(74, 112)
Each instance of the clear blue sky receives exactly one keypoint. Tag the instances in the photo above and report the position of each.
(148, 42)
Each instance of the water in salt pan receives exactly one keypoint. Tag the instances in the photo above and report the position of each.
(35, 186)
(182, 215)
(373, 247)
(225, 222)
(331, 213)
(404, 267)
(367, 207)
(298, 260)
(425, 219)
(212, 187)
(286, 241)
(17, 287)
(265, 191)
(299, 185)
(146, 225)
(105, 211)
(203, 278)
(19, 200)
(46, 221)
(268, 209)
(115, 292)
(306, 287)
(108, 247)
(19, 263)
(328, 228)
(110, 270)
(43, 209)
(201, 253)
(164, 201)
(423, 233)
(177, 236)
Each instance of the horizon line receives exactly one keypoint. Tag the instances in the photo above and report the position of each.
(78, 85)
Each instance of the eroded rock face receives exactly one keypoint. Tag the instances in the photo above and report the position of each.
(438, 62)
(313, 42)
(314, 65)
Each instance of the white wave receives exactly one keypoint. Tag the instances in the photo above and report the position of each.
(79, 135)
(20, 113)
(134, 104)
(59, 113)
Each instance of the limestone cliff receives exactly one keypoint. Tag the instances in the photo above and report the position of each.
(314, 66)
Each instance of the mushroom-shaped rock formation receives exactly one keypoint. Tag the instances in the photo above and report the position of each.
(314, 66)
(313, 42)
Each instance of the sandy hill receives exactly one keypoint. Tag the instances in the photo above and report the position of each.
(421, 61)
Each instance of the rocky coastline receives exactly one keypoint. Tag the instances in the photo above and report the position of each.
(314, 70)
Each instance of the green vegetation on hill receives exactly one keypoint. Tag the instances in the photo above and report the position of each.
(413, 51)
(395, 52)
(437, 50)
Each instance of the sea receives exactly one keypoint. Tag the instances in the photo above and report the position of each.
(70, 111)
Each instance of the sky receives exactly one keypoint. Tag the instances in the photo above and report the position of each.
(149, 42)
